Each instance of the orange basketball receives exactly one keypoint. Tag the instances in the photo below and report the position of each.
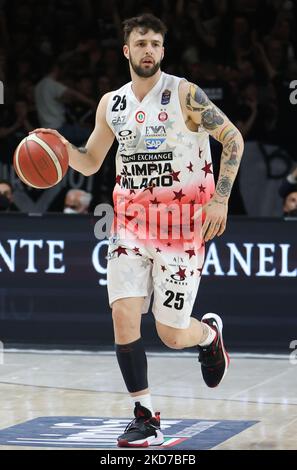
(41, 160)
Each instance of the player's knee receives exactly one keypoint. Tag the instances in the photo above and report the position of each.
(123, 318)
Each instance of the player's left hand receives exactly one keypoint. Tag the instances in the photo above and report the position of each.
(215, 218)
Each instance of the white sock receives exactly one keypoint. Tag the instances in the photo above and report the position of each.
(211, 336)
(145, 400)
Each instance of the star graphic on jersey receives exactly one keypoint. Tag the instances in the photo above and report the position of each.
(200, 153)
(163, 269)
(180, 136)
(151, 260)
(168, 244)
(150, 188)
(158, 250)
(192, 273)
(207, 169)
(132, 191)
(155, 201)
(182, 273)
(169, 124)
(202, 188)
(174, 175)
(118, 179)
(178, 195)
(136, 251)
(190, 167)
(190, 252)
(120, 251)
(192, 202)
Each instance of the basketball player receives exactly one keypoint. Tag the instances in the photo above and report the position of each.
(162, 124)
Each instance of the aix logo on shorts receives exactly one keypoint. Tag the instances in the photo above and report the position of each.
(165, 97)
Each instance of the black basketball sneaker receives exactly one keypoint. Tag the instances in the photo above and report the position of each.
(143, 431)
(214, 358)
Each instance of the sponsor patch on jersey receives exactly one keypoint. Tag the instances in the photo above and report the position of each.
(153, 143)
(140, 116)
(155, 131)
(163, 116)
(119, 121)
(165, 97)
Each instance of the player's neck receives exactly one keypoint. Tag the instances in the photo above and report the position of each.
(142, 86)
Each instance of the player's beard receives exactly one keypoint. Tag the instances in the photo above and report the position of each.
(145, 72)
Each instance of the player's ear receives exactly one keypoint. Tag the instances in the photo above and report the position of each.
(126, 51)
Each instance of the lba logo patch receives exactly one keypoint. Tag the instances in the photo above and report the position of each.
(140, 116)
(101, 433)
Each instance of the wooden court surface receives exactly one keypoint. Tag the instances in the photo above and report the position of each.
(35, 384)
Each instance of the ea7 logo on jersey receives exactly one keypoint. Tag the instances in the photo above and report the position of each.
(153, 144)
(155, 131)
(119, 121)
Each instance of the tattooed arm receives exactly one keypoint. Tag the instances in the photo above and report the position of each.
(200, 111)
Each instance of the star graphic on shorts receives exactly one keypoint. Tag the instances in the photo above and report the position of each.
(190, 252)
(207, 169)
(158, 250)
(118, 179)
(174, 175)
(189, 298)
(182, 273)
(155, 201)
(163, 268)
(178, 195)
(120, 251)
(190, 167)
(202, 188)
(136, 250)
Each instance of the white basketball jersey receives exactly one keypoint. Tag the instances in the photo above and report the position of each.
(159, 160)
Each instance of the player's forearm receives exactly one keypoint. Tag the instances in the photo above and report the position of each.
(230, 161)
(81, 160)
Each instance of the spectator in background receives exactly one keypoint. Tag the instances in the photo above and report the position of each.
(50, 94)
(6, 197)
(288, 191)
(77, 201)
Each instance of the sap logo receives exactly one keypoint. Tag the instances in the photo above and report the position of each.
(155, 131)
(153, 144)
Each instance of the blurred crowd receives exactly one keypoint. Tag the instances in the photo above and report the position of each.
(243, 53)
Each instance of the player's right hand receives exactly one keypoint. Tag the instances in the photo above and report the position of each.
(51, 131)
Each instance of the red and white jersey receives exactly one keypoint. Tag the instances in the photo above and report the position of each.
(160, 163)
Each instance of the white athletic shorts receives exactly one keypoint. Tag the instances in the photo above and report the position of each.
(173, 278)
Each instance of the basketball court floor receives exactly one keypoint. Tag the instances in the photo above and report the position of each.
(74, 400)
